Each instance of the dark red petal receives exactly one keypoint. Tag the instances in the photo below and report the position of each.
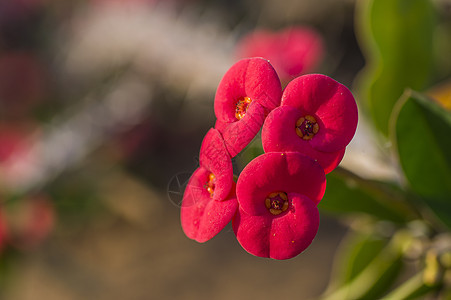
(215, 158)
(251, 77)
(290, 172)
(201, 217)
(278, 237)
(331, 102)
(279, 135)
(238, 135)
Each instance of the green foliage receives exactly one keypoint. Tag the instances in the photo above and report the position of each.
(375, 276)
(422, 135)
(347, 193)
(356, 251)
(414, 288)
(76, 198)
(396, 37)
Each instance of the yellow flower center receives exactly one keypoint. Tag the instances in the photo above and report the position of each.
(241, 107)
(210, 185)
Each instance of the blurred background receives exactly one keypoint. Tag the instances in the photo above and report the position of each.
(103, 107)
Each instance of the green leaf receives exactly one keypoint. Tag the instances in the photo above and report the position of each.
(363, 252)
(414, 288)
(346, 193)
(378, 276)
(421, 133)
(446, 293)
(396, 37)
(76, 198)
(356, 251)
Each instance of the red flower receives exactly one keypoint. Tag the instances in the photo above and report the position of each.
(292, 51)
(317, 117)
(249, 90)
(209, 202)
(278, 194)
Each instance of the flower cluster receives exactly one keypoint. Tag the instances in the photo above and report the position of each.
(305, 130)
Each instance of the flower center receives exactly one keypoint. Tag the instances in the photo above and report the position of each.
(210, 185)
(241, 107)
(276, 203)
(307, 127)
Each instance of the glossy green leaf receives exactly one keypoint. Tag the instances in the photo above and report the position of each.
(396, 37)
(346, 193)
(421, 132)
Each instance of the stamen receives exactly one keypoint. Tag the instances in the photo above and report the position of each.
(306, 127)
(241, 107)
(210, 185)
(276, 203)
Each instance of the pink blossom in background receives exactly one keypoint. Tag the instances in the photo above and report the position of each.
(292, 51)
(249, 90)
(14, 141)
(318, 117)
(277, 195)
(209, 201)
(31, 219)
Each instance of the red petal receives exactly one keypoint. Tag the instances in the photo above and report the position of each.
(202, 218)
(238, 135)
(293, 232)
(331, 102)
(252, 77)
(278, 237)
(279, 135)
(252, 232)
(289, 172)
(215, 158)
